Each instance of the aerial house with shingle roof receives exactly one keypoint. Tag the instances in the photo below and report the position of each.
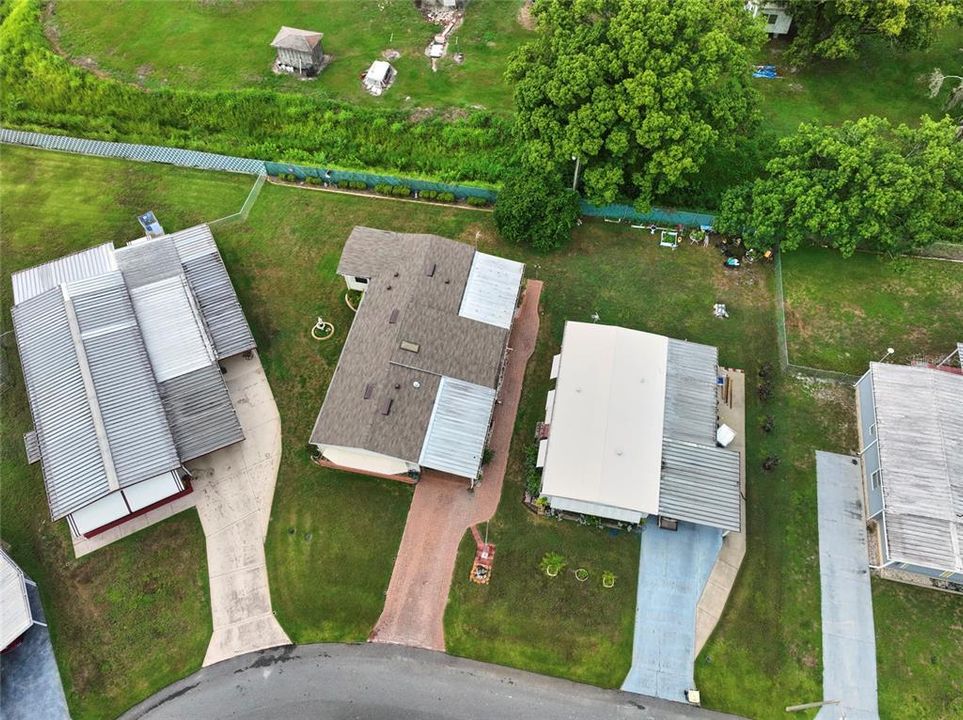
(419, 374)
(120, 350)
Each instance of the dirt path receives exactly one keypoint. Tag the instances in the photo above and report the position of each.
(443, 509)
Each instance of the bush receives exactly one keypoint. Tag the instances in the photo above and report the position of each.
(428, 194)
(536, 209)
(533, 477)
(357, 185)
(401, 190)
(446, 197)
(383, 188)
(476, 201)
(314, 180)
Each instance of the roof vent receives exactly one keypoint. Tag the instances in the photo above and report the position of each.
(397, 386)
(386, 406)
(368, 391)
(396, 274)
(447, 282)
(430, 270)
(410, 346)
(393, 318)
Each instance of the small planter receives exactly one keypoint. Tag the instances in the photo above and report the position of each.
(552, 571)
(608, 580)
(581, 574)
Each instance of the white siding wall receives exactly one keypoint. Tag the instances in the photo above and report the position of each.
(366, 461)
(595, 509)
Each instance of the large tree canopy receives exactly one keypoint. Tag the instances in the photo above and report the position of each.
(863, 184)
(834, 29)
(638, 91)
(537, 209)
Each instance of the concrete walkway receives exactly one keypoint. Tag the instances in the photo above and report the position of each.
(724, 572)
(443, 509)
(30, 687)
(673, 569)
(849, 640)
(234, 488)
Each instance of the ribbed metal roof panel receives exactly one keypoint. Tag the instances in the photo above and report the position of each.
(458, 428)
(691, 392)
(214, 291)
(200, 412)
(173, 332)
(144, 263)
(141, 445)
(77, 266)
(700, 484)
(492, 290)
(70, 455)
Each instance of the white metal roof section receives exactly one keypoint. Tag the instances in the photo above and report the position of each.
(86, 263)
(173, 331)
(123, 386)
(455, 439)
(211, 284)
(700, 484)
(605, 444)
(492, 290)
(15, 615)
(919, 424)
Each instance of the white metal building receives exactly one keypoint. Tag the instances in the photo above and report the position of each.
(778, 20)
(632, 426)
(120, 350)
(15, 615)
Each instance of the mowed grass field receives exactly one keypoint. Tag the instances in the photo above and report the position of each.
(843, 322)
(881, 81)
(333, 536)
(225, 45)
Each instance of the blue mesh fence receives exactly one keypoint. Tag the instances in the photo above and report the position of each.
(213, 161)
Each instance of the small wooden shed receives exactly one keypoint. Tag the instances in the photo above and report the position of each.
(299, 51)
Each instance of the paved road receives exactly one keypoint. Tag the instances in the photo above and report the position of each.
(388, 682)
(849, 641)
(442, 510)
(673, 569)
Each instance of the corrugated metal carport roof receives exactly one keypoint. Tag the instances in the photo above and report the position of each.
(456, 434)
(700, 484)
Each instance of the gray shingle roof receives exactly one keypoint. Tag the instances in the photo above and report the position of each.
(427, 306)
(919, 427)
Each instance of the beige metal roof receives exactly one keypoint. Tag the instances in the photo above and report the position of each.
(605, 444)
(296, 39)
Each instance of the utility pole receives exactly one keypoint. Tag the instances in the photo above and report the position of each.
(577, 160)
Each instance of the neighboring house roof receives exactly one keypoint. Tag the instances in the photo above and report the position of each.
(633, 423)
(417, 285)
(291, 38)
(919, 428)
(120, 370)
(15, 615)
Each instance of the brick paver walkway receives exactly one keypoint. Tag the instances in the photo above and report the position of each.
(443, 509)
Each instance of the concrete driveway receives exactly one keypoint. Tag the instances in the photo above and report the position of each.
(388, 682)
(673, 569)
(233, 490)
(849, 639)
(442, 509)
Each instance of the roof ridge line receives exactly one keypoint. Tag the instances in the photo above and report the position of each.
(100, 430)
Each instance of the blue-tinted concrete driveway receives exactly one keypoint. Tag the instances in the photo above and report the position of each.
(30, 686)
(849, 641)
(673, 569)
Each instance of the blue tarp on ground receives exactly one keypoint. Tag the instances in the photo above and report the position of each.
(673, 569)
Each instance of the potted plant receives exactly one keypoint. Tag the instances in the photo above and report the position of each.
(581, 574)
(608, 579)
(552, 563)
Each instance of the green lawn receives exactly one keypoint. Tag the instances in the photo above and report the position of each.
(223, 45)
(135, 616)
(882, 81)
(841, 314)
